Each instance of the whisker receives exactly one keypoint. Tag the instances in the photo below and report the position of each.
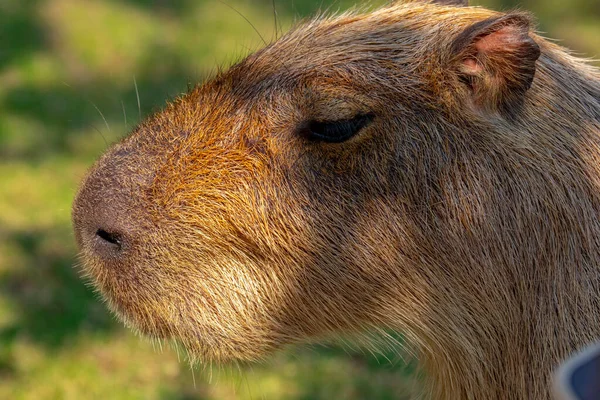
(247, 20)
(275, 18)
(193, 377)
(137, 93)
(101, 134)
(124, 112)
(245, 379)
(102, 115)
(97, 109)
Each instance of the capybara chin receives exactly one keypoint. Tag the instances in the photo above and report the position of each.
(428, 167)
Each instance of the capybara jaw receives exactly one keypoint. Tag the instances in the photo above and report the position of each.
(424, 167)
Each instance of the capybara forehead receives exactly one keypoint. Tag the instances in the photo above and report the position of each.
(354, 59)
(330, 68)
(392, 37)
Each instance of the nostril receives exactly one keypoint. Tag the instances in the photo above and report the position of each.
(112, 238)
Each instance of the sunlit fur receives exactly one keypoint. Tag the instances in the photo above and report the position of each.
(469, 223)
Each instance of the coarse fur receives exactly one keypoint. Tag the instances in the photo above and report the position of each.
(466, 215)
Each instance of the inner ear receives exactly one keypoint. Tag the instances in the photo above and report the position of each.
(496, 59)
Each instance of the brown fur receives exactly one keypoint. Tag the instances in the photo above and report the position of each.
(467, 215)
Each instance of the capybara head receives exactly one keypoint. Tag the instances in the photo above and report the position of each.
(397, 169)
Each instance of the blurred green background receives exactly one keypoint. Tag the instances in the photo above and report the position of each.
(68, 76)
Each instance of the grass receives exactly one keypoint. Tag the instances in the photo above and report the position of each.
(67, 73)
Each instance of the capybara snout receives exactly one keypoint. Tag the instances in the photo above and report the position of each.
(425, 167)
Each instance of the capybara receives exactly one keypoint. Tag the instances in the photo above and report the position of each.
(430, 168)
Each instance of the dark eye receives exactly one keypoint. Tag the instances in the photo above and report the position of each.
(335, 131)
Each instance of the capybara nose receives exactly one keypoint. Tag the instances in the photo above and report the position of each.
(113, 241)
(109, 212)
(106, 218)
(103, 228)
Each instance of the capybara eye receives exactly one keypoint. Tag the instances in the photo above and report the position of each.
(336, 131)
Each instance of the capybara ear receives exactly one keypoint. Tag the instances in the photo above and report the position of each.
(496, 59)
